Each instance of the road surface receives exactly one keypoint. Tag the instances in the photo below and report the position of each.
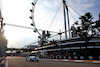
(21, 62)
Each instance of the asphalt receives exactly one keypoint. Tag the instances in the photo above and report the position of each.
(21, 62)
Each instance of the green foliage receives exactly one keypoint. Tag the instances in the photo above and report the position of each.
(45, 42)
(48, 34)
(35, 31)
(87, 28)
(18, 51)
(53, 42)
(39, 37)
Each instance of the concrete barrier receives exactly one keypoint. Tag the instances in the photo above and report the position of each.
(64, 57)
(99, 57)
(81, 57)
(69, 57)
(75, 57)
(90, 57)
(77, 61)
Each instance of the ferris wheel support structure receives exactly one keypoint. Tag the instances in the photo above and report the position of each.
(65, 7)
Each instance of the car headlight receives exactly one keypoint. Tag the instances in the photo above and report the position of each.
(30, 57)
(37, 57)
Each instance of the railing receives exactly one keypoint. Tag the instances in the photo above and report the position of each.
(2, 61)
(71, 57)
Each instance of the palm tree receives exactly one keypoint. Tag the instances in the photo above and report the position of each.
(86, 28)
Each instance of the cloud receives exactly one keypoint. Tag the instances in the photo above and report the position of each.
(52, 3)
(89, 3)
(84, 4)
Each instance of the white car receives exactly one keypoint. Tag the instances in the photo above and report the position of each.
(32, 58)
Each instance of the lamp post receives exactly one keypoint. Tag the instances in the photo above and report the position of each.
(60, 37)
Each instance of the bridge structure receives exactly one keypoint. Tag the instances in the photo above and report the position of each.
(19, 49)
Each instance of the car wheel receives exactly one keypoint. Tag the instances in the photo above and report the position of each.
(26, 59)
(37, 60)
(30, 60)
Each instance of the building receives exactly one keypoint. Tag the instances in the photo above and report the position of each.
(31, 46)
(73, 48)
(3, 40)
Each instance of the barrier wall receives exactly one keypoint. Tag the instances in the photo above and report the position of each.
(71, 57)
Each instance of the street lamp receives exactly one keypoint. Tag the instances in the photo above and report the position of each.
(60, 37)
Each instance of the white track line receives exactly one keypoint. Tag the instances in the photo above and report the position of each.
(96, 62)
(76, 61)
(64, 60)
(6, 63)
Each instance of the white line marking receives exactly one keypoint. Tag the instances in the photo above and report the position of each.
(96, 62)
(64, 60)
(78, 61)
(6, 62)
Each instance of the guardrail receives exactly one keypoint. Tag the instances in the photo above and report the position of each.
(2, 61)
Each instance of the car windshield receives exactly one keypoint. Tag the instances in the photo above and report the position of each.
(32, 55)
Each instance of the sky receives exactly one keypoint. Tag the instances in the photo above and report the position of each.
(48, 15)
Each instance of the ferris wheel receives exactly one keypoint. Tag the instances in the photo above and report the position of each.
(66, 12)
(34, 25)
(33, 20)
(32, 17)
